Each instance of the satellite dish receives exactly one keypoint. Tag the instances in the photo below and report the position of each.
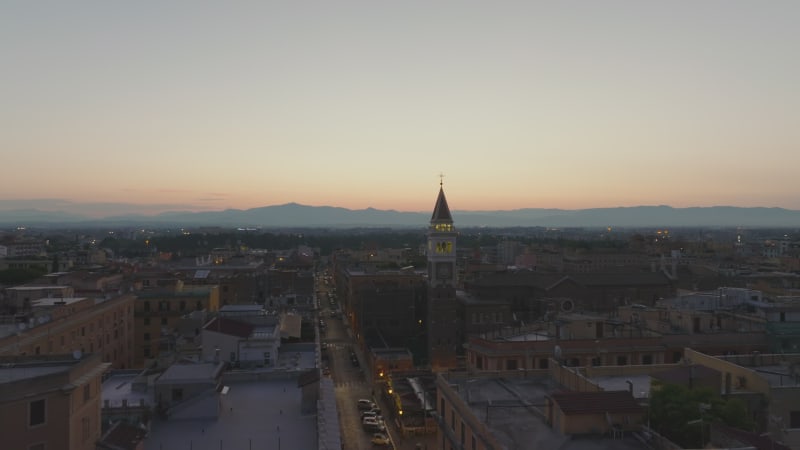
(76, 354)
(567, 305)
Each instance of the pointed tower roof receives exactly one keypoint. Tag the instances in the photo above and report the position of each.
(441, 212)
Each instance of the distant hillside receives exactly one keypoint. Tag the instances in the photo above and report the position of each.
(295, 215)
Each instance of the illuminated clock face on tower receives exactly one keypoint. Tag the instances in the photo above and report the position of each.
(444, 271)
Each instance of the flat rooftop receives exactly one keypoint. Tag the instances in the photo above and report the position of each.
(190, 372)
(529, 337)
(513, 410)
(641, 384)
(53, 301)
(24, 372)
(119, 387)
(296, 357)
(37, 288)
(257, 414)
(777, 375)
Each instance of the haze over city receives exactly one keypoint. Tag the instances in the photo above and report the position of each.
(207, 105)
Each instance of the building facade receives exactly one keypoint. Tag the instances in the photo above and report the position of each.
(51, 402)
(64, 325)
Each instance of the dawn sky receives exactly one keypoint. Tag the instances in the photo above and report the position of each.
(213, 105)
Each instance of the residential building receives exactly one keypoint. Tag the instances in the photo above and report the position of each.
(190, 391)
(242, 342)
(63, 325)
(158, 312)
(51, 402)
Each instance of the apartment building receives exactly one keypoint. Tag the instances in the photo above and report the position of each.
(157, 313)
(63, 325)
(51, 402)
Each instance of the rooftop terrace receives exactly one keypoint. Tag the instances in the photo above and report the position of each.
(254, 414)
(513, 411)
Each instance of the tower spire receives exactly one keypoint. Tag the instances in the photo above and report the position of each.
(441, 212)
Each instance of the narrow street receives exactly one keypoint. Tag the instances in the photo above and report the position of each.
(352, 383)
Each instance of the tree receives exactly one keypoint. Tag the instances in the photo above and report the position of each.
(682, 414)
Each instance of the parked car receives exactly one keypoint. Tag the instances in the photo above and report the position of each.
(372, 424)
(371, 413)
(380, 439)
(365, 404)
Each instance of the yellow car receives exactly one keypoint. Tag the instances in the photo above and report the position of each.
(380, 439)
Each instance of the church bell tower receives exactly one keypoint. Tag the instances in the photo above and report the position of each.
(444, 325)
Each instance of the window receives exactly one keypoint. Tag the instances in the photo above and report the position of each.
(146, 307)
(36, 413)
(453, 420)
(622, 360)
(177, 394)
(147, 336)
(147, 321)
(543, 363)
(511, 364)
(183, 305)
(794, 419)
(647, 359)
(85, 425)
(474, 444)
(163, 321)
(87, 392)
(441, 407)
(463, 434)
(39, 446)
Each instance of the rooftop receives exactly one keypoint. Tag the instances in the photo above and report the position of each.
(640, 383)
(778, 375)
(120, 386)
(191, 372)
(513, 410)
(596, 402)
(53, 301)
(9, 374)
(258, 414)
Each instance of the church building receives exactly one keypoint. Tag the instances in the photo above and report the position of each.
(445, 334)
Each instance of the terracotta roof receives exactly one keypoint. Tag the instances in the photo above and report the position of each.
(230, 327)
(596, 402)
(441, 212)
